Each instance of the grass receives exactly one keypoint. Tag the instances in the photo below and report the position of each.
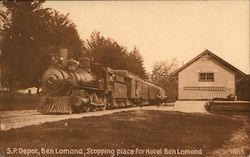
(133, 129)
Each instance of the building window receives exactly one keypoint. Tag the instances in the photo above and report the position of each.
(206, 77)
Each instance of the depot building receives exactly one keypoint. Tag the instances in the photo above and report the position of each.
(206, 76)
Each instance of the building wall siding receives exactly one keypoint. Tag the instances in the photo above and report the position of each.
(189, 86)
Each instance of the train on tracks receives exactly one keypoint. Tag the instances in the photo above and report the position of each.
(78, 86)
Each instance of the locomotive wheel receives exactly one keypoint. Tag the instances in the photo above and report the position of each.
(77, 109)
(97, 102)
(93, 98)
(104, 107)
(93, 108)
(79, 101)
(122, 104)
(86, 108)
(109, 104)
(127, 103)
(77, 104)
(104, 101)
(115, 104)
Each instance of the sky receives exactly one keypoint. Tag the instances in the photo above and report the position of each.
(163, 30)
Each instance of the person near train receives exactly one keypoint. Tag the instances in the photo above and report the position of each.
(158, 100)
(140, 101)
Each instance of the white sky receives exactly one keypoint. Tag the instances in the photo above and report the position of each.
(167, 29)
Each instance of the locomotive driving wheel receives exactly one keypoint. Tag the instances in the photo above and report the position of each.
(79, 101)
(86, 108)
(97, 102)
(93, 100)
(115, 103)
(104, 102)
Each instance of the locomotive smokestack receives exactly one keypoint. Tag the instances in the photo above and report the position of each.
(64, 55)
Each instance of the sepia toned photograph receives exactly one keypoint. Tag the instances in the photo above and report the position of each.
(125, 78)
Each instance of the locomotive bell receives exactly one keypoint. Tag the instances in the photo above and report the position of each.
(54, 80)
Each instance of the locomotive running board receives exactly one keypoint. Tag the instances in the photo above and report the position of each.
(58, 105)
(89, 88)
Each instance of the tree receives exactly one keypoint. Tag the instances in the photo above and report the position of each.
(31, 33)
(162, 69)
(161, 77)
(109, 53)
(135, 63)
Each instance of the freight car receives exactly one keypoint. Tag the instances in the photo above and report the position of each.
(76, 86)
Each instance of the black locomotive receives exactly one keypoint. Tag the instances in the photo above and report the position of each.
(76, 86)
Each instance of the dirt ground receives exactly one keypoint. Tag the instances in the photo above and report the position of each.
(215, 135)
(21, 118)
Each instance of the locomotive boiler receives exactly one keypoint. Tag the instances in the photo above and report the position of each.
(77, 86)
(59, 81)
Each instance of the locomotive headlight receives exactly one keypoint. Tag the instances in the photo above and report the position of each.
(51, 80)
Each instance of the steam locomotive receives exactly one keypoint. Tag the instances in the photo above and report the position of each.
(76, 86)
